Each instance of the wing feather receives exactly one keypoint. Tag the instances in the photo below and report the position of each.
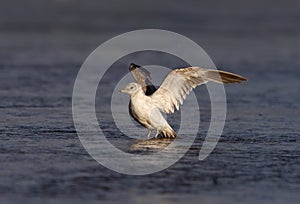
(179, 82)
(143, 78)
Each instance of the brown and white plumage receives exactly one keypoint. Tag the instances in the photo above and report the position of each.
(146, 102)
(179, 82)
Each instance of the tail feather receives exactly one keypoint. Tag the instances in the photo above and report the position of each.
(224, 77)
(167, 131)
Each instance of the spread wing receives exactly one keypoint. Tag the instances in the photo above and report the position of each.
(142, 77)
(179, 82)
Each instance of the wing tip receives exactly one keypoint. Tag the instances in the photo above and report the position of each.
(224, 77)
(133, 66)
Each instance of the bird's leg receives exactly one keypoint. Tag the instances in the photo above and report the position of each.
(149, 134)
(157, 133)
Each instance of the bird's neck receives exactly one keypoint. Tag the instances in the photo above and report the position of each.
(137, 93)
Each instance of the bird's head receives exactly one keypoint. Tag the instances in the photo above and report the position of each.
(131, 88)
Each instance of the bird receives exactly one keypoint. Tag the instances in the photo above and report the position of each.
(147, 102)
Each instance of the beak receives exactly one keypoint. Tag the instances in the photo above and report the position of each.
(122, 91)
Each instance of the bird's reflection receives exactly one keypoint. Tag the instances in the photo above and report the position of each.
(150, 145)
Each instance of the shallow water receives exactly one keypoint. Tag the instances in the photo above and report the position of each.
(256, 160)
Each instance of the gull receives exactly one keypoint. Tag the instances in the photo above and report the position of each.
(147, 102)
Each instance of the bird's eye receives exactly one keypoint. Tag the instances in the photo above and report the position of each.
(131, 87)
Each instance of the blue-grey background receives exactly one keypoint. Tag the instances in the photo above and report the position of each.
(44, 43)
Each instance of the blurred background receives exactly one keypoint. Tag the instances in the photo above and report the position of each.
(43, 44)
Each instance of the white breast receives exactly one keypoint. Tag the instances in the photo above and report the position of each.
(146, 112)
